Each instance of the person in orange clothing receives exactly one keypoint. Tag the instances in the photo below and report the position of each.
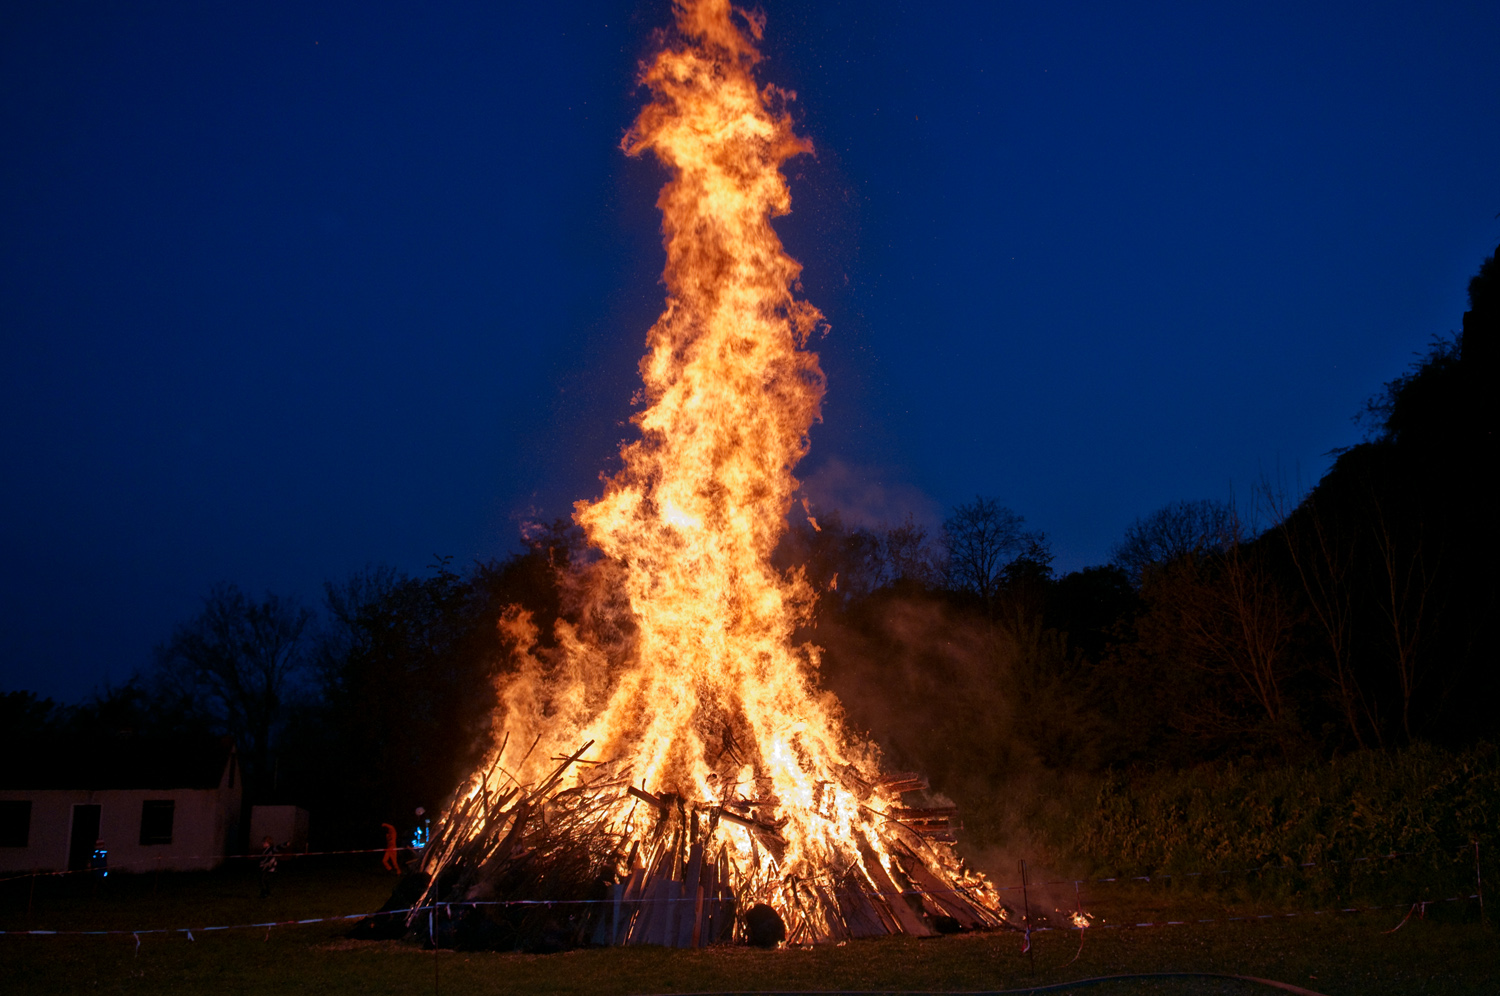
(390, 860)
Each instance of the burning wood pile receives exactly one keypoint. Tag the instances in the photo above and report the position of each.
(551, 870)
(717, 795)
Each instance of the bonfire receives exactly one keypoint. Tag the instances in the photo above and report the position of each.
(669, 771)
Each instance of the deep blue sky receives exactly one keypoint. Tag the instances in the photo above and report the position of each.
(286, 289)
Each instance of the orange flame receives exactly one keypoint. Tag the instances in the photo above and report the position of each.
(704, 693)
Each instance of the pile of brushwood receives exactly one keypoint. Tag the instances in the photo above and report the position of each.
(552, 847)
(538, 868)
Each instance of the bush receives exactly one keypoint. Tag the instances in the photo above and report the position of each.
(1346, 817)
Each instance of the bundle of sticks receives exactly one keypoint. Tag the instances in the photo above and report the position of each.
(541, 867)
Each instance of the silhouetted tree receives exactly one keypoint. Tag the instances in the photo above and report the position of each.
(981, 538)
(407, 669)
(1181, 529)
(238, 660)
(1323, 549)
(910, 557)
(1406, 585)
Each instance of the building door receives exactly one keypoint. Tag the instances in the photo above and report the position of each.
(85, 832)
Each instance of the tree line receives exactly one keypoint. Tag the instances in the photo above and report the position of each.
(1273, 628)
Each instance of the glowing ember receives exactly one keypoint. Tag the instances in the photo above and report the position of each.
(691, 690)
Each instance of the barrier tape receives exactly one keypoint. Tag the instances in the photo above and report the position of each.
(137, 933)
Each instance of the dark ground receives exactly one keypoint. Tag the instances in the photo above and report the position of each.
(1448, 953)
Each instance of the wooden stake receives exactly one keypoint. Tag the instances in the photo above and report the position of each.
(1026, 903)
(1479, 882)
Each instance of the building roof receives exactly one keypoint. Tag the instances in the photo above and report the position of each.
(122, 762)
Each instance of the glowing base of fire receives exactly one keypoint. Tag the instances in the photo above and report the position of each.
(588, 858)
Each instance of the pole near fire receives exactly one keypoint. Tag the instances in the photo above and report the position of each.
(1478, 881)
(1026, 905)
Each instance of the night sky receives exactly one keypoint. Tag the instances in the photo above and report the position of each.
(289, 289)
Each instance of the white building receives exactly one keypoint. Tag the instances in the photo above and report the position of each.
(158, 805)
(285, 825)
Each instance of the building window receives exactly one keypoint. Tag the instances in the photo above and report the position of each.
(156, 821)
(15, 823)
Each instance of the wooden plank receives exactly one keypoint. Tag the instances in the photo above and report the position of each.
(877, 903)
(687, 918)
(859, 916)
(721, 921)
(664, 930)
(896, 902)
(697, 936)
(662, 908)
(906, 781)
(945, 896)
(641, 928)
(648, 798)
(616, 909)
(628, 904)
(772, 831)
(962, 907)
(635, 884)
(932, 812)
(828, 908)
(712, 890)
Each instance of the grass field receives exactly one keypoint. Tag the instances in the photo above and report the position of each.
(1450, 952)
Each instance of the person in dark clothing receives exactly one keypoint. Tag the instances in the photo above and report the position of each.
(268, 851)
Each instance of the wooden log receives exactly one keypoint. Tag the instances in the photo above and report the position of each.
(932, 812)
(950, 900)
(906, 781)
(649, 799)
(733, 817)
(523, 812)
(896, 902)
(552, 779)
(850, 776)
(772, 830)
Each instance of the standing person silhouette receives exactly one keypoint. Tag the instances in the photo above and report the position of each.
(267, 866)
(390, 860)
